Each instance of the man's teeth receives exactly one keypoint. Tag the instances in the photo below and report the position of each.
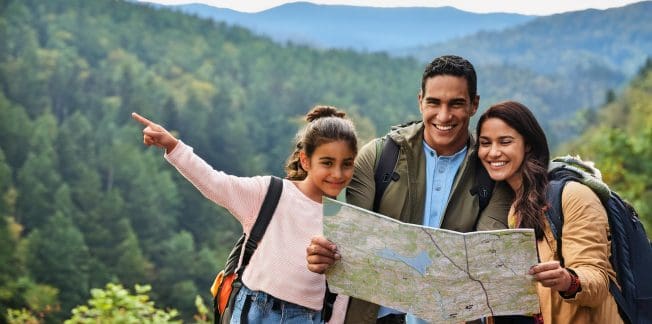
(444, 127)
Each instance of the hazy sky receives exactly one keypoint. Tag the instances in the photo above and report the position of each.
(530, 7)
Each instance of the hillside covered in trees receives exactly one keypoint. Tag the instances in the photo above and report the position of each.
(84, 203)
(618, 138)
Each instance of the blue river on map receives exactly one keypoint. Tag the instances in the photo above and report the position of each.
(420, 262)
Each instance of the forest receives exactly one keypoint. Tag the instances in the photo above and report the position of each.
(84, 204)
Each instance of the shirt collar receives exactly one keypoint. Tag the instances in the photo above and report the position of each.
(432, 153)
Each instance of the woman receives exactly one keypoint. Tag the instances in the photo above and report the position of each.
(513, 148)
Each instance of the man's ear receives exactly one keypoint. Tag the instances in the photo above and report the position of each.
(419, 97)
(305, 161)
(475, 103)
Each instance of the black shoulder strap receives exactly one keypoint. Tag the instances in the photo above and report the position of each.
(264, 217)
(385, 169)
(484, 186)
(554, 213)
(329, 301)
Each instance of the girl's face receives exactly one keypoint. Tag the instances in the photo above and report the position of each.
(329, 169)
(502, 150)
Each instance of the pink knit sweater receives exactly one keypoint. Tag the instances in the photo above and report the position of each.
(278, 267)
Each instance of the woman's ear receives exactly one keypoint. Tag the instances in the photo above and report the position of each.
(305, 161)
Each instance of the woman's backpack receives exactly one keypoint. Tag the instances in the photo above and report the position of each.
(631, 250)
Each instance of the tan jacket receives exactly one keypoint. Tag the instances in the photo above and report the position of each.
(586, 250)
(404, 199)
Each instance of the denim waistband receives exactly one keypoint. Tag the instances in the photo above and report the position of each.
(263, 298)
(266, 308)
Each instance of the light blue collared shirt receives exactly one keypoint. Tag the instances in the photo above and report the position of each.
(440, 174)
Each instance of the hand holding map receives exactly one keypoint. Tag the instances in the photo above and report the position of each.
(321, 254)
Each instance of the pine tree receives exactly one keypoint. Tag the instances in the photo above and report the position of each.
(58, 256)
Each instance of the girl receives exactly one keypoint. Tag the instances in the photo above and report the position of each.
(278, 288)
(513, 148)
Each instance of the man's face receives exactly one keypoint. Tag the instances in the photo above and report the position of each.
(446, 110)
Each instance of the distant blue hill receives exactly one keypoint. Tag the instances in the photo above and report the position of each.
(618, 39)
(360, 28)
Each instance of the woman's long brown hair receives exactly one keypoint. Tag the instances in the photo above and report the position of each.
(530, 200)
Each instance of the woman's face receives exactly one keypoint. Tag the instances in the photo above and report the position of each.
(502, 151)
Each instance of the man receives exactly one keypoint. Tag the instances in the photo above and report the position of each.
(436, 173)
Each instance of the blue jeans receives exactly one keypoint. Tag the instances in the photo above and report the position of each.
(263, 308)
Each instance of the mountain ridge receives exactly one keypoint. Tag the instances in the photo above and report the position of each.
(356, 27)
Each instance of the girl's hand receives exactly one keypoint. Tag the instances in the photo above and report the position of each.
(155, 134)
(321, 254)
(552, 275)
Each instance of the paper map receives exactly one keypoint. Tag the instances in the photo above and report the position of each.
(435, 274)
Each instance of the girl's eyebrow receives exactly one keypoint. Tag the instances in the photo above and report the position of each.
(332, 158)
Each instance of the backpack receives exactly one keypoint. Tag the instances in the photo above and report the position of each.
(631, 250)
(228, 282)
(386, 162)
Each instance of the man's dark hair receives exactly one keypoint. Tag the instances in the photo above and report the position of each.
(452, 65)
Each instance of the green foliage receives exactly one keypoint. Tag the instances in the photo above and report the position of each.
(31, 302)
(203, 315)
(132, 266)
(21, 316)
(15, 131)
(179, 250)
(621, 145)
(8, 271)
(115, 304)
(59, 257)
(41, 299)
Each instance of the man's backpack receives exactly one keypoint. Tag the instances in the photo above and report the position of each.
(386, 162)
(631, 250)
(228, 282)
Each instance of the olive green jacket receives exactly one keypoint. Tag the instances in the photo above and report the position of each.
(405, 199)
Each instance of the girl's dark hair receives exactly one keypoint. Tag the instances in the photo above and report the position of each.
(326, 124)
(530, 199)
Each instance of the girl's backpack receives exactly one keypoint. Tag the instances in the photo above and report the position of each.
(227, 283)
